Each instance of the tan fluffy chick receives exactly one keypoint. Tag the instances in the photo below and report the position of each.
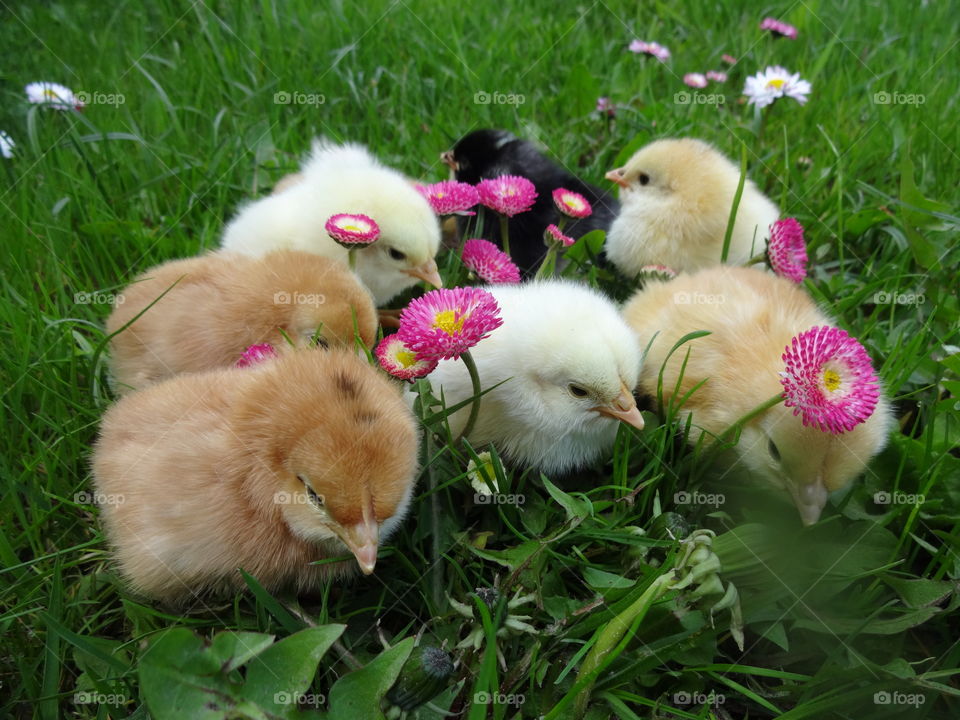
(676, 196)
(222, 303)
(752, 317)
(269, 469)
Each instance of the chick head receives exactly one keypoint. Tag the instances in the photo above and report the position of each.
(341, 447)
(472, 154)
(807, 462)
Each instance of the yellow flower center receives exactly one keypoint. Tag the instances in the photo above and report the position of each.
(831, 380)
(449, 322)
(776, 83)
(441, 195)
(52, 94)
(406, 358)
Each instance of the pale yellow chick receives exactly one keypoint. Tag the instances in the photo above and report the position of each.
(220, 304)
(676, 196)
(752, 316)
(268, 468)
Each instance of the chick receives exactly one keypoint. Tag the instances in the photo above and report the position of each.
(267, 469)
(752, 317)
(676, 197)
(485, 154)
(220, 304)
(567, 363)
(346, 179)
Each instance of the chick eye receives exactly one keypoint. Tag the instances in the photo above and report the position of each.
(397, 255)
(644, 179)
(577, 391)
(774, 452)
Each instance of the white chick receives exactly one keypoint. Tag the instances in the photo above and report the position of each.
(346, 179)
(270, 469)
(752, 317)
(567, 363)
(676, 197)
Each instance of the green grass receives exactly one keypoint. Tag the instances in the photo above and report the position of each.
(859, 604)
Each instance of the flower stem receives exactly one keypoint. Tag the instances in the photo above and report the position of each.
(756, 259)
(475, 380)
(505, 233)
(549, 263)
(352, 259)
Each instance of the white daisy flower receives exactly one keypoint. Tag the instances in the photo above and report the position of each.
(56, 96)
(6, 145)
(476, 473)
(773, 83)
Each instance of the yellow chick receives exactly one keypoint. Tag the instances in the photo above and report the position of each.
(220, 304)
(346, 179)
(676, 196)
(752, 317)
(269, 469)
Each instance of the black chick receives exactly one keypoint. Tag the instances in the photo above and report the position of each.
(487, 154)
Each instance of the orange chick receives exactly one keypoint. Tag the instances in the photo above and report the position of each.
(222, 303)
(752, 316)
(268, 469)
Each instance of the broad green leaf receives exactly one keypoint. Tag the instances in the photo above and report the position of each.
(605, 580)
(359, 694)
(576, 509)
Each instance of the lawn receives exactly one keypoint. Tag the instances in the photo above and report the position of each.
(194, 108)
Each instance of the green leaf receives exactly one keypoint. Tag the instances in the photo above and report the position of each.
(576, 509)
(605, 580)
(924, 250)
(359, 694)
(920, 592)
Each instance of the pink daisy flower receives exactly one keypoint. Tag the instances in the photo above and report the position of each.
(786, 250)
(489, 262)
(553, 234)
(657, 272)
(446, 323)
(728, 59)
(695, 80)
(256, 354)
(400, 361)
(450, 197)
(716, 76)
(352, 230)
(829, 379)
(571, 204)
(508, 194)
(605, 107)
(780, 29)
(650, 48)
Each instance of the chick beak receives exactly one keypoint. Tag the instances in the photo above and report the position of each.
(447, 159)
(617, 177)
(810, 499)
(427, 272)
(362, 540)
(624, 408)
